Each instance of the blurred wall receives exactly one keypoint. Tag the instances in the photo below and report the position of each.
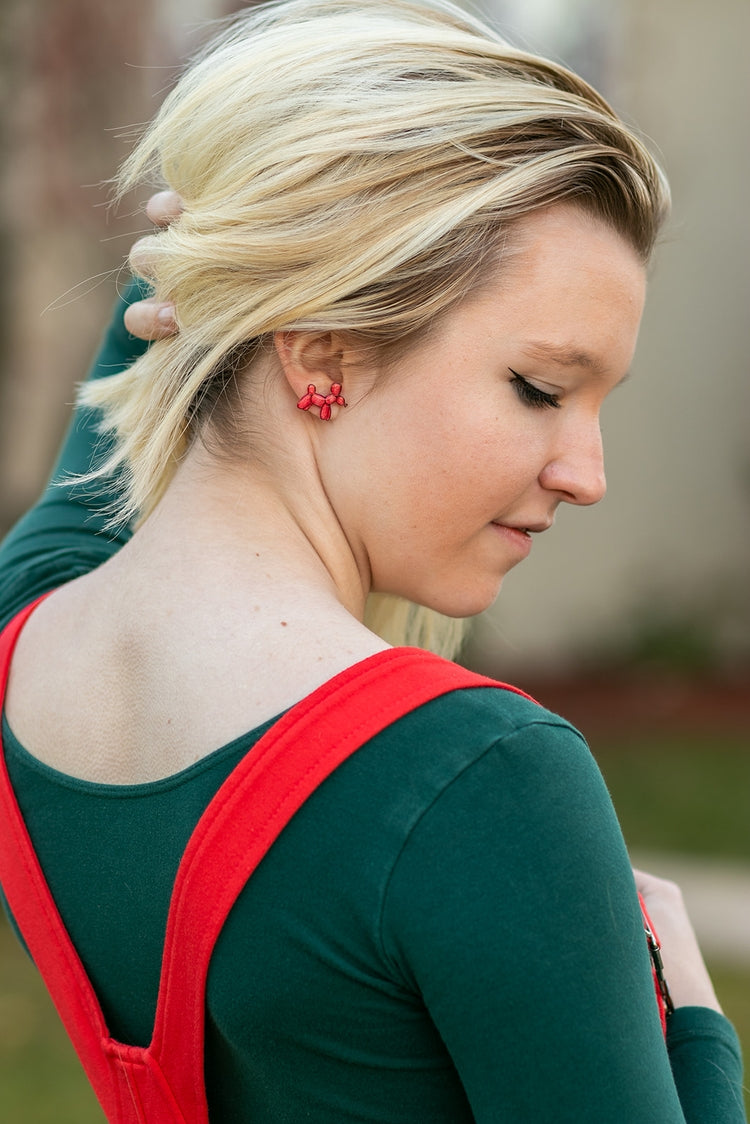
(665, 558)
(66, 88)
(668, 548)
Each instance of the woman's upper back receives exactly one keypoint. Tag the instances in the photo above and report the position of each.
(136, 671)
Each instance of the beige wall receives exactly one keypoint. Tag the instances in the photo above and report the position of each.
(672, 538)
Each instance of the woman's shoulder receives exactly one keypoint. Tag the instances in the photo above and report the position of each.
(491, 731)
(486, 712)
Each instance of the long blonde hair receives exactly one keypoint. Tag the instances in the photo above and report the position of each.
(349, 166)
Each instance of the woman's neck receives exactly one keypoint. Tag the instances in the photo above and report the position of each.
(237, 530)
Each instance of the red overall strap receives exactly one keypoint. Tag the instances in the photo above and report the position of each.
(163, 1083)
(249, 812)
(36, 915)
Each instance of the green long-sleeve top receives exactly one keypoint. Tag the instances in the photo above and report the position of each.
(447, 931)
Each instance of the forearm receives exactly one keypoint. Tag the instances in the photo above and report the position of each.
(704, 1053)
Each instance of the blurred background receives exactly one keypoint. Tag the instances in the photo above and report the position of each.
(632, 618)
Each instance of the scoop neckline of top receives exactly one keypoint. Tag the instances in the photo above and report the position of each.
(141, 788)
(251, 736)
(182, 775)
(144, 788)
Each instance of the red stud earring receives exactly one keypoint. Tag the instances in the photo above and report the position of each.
(324, 401)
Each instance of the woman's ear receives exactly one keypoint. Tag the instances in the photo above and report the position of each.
(311, 357)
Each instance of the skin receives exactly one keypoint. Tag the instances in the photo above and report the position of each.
(258, 568)
(151, 319)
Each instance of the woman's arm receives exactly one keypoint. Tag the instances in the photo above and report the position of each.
(65, 534)
(512, 911)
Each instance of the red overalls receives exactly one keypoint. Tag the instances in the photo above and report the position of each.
(163, 1083)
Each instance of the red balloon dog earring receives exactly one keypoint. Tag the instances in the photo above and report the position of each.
(312, 398)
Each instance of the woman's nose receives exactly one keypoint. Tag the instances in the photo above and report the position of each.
(576, 472)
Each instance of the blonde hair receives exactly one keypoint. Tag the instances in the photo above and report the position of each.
(349, 166)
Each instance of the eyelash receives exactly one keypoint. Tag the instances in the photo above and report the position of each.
(532, 395)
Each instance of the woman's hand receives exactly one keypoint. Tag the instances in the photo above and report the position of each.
(150, 319)
(685, 972)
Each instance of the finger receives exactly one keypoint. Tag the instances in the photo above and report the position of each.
(151, 319)
(142, 256)
(652, 884)
(164, 207)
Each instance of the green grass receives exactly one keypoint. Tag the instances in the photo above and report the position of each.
(688, 794)
(41, 1081)
(733, 989)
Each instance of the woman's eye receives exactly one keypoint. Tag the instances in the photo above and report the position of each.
(531, 394)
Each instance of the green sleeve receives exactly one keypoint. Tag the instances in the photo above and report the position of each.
(64, 534)
(533, 964)
(704, 1053)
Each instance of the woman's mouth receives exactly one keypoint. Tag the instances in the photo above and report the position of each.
(517, 537)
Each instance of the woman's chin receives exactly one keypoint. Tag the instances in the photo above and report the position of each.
(469, 602)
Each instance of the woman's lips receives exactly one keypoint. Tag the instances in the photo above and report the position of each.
(520, 540)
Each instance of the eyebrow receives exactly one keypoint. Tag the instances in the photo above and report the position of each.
(565, 356)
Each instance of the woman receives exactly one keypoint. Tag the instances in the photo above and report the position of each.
(409, 269)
